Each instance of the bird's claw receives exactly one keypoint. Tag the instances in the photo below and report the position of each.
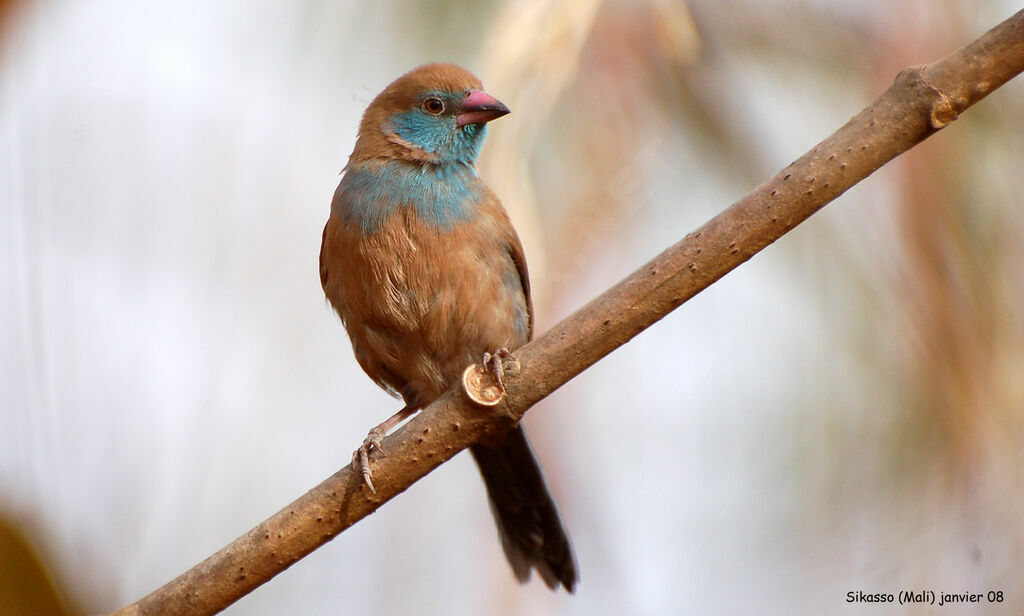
(494, 362)
(361, 456)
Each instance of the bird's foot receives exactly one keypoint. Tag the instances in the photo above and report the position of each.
(495, 363)
(361, 456)
(373, 440)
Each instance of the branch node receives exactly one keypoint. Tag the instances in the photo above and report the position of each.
(943, 108)
(943, 111)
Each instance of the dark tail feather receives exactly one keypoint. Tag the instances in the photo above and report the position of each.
(530, 529)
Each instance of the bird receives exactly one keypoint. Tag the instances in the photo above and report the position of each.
(420, 261)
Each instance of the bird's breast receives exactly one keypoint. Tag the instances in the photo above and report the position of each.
(423, 294)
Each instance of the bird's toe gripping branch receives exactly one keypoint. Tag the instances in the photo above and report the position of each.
(373, 440)
(361, 456)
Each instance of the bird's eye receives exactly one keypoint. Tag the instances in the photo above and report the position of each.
(433, 105)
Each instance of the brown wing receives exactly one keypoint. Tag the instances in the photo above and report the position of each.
(515, 252)
(323, 260)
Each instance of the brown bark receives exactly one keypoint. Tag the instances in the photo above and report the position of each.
(922, 100)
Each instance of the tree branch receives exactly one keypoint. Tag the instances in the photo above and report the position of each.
(922, 100)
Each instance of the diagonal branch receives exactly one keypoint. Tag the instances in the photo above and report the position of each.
(922, 100)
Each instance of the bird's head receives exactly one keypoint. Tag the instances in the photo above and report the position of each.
(435, 113)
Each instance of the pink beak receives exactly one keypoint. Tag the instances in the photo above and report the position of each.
(479, 107)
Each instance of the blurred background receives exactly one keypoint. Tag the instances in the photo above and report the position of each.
(842, 413)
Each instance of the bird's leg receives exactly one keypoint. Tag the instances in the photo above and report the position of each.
(494, 363)
(361, 456)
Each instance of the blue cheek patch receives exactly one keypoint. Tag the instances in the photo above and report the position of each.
(441, 195)
(433, 134)
(439, 135)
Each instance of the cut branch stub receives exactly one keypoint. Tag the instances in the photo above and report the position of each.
(481, 387)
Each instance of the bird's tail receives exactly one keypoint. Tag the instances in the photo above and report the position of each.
(529, 526)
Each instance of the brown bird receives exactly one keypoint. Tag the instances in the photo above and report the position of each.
(421, 262)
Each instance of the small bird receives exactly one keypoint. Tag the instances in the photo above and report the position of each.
(421, 262)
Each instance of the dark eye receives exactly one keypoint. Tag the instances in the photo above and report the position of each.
(433, 105)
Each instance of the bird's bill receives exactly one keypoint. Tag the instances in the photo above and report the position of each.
(480, 107)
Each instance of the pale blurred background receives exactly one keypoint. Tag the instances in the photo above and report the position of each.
(842, 413)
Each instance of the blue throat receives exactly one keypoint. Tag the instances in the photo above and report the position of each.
(441, 195)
